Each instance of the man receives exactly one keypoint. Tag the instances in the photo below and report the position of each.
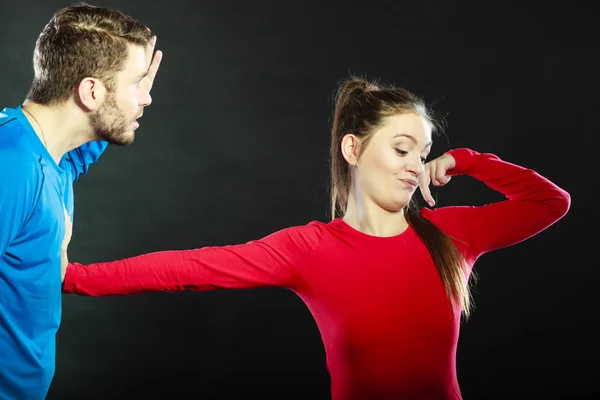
(92, 80)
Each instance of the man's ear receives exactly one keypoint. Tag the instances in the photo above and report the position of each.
(350, 147)
(91, 93)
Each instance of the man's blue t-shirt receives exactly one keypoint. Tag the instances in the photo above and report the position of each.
(34, 191)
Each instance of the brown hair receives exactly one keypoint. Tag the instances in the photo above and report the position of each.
(82, 41)
(360, 108)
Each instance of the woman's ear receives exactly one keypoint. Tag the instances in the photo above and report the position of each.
(350, 147)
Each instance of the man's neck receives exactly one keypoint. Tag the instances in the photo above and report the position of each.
(61, 128)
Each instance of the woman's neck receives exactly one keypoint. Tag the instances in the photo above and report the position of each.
(369, 218)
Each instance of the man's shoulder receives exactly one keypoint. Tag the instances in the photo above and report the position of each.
(17, 160)
(12, 131)
(15, 144)
(9, 120)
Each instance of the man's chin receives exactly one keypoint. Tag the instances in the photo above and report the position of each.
(123, 139)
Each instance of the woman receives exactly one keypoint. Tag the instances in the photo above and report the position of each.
(385, 282)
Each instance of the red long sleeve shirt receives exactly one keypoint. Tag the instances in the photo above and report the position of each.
(379, 303)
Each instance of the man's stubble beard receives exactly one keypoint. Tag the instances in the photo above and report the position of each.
(110, 124)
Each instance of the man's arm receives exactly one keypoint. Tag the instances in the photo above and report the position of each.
(83, 156)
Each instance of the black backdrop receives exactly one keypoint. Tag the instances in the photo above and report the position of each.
(235, 146)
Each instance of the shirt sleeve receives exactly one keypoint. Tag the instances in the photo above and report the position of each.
(274, 260)
(82, 157)
(533, 204)
(18, 191)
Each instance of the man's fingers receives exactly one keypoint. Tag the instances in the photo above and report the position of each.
(150, 49)
(150, 46)
(153, 69)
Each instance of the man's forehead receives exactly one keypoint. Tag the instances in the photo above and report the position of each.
(136, 60)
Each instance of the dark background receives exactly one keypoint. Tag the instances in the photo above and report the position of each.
(235, 147)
